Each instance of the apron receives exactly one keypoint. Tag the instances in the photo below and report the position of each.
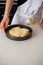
(25, 10)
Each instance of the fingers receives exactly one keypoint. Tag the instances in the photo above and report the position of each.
(41, 23)
(7, 22)
(2, 26)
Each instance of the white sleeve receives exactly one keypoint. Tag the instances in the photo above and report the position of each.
(35, 5)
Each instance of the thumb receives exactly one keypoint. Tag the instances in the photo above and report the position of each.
(7, 22)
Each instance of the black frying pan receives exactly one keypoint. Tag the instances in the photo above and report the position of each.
(18, 38)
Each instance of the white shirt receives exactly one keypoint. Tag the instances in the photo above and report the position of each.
(25, 11)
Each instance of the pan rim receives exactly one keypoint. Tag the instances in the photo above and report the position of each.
(18, 38)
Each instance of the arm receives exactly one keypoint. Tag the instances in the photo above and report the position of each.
(6, 19)
(8, 7)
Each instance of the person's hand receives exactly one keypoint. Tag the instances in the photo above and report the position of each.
(41, 23)
(4, 23)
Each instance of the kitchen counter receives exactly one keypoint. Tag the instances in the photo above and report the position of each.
(28, 52)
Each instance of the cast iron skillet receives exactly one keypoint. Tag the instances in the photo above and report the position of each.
(18, 38)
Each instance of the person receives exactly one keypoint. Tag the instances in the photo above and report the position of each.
(25, 7)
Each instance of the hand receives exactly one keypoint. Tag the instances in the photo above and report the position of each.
(4, 23)
(41, 23)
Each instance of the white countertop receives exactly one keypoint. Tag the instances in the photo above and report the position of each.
(29, 52)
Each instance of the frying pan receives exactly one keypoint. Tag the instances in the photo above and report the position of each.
(18, 38)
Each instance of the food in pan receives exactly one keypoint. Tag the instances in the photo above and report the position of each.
(19, 32)
(24, 32)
